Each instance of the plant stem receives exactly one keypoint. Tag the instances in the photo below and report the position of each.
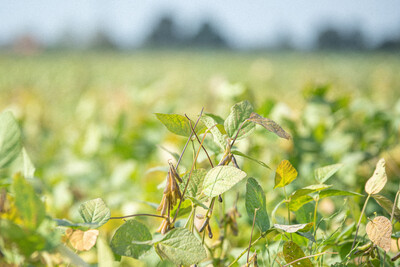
(251, 235)
(315, 216)
(288, 210)
(359, 220)
(137, 215)
(244, 251)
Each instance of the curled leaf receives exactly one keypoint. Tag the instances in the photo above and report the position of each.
(379, 231)
(378, 180)
(269, 124)
(293, 228)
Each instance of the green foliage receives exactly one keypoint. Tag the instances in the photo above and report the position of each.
(292, 252)
(255, 199)
(10, 139)
(237, 120)
(181, 247)
(95, 211)
(220, 179)
(130, 239)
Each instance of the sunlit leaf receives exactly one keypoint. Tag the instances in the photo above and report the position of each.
(220, 179)
(285, 174)
(299, 202)
(83, 240)
(379, 231)
(29, 205)
(387, 204)
(378, 180)
(255, 199)
(293, 228)
(125, 241)
(324, 173)
(181, 247)
(300, 196)
(211, 124)
(269, 124)
(292, 252)
(175, 123)
(95, 211)
(10, 139)
(235, 152)
(239, 113)
(195, 186)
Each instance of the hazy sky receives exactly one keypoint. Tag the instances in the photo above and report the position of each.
(245, 23)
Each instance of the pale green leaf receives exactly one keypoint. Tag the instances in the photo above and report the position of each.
(95, 211)
(293, 228)
(285, 174)
(269, 124)
(105, 257)
(300, 196)
(128, 237)
(378, 180)
(181, 247)
(292, 252)
(10, 139)
(324, 173)
(195, 185)
(220, 179)
(240, 112)
(299, 202)
(29, 205)
(255, 199)
(211, 124)
(175, 123)
(235, 152)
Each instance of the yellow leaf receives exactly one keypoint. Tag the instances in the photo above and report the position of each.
(83, 240)
(378, 180)
(285, 174)
(379, 231)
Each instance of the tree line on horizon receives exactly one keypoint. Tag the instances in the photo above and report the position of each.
(166, 35)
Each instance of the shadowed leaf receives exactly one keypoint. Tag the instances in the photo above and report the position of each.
(235, 152)
(10, 139)
(324, 173)
(292, 252)
(387, 204)
(255, 199)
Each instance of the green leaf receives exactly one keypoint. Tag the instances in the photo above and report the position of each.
(127, 238)
(216, 118)
(23, 164)
(95, 211)
(378, 180)
(324, 173)
(334, 192)
(255, 199)
(211, 124)
(285, 174)
(235, 152)
(176, 123)
(292, 252)
(30, 207)
(269, 124)
(299, 202)
(10, 139)
(239, 113)
(181, 247)
(195, 185)
(220, 179)
(387, 204)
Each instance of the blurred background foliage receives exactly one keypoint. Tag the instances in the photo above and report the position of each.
(86, 110)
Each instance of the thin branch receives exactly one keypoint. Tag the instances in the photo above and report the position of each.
(198, 139)
(359, 220)
(305, 257)
(244, 251)
(237, 134)
(251, 235)
(137, 215)
(190, 137)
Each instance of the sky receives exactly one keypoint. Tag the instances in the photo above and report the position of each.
(248, 23)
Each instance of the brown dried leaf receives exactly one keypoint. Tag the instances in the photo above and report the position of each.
(379, 231)
(269, 124)
(378, 180)
(83, 240)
